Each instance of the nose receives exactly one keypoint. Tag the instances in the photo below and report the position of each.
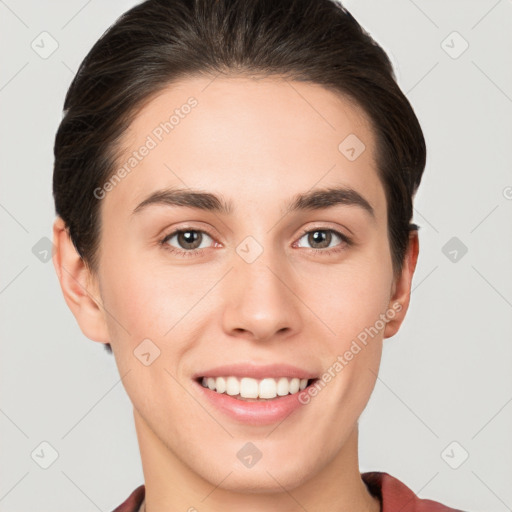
(260, 301)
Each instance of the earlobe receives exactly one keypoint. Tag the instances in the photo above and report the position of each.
(401, 293)
(79, 287)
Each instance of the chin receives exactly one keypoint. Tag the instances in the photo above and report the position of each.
(273, 472)
(265, 480)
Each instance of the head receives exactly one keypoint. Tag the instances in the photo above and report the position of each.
(265, 110)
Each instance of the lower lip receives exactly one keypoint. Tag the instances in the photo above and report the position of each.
(264, 412)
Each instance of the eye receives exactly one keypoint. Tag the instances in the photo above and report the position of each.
(321, 238)
(190, 241)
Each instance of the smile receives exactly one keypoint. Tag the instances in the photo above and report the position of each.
(250, 389)
(255, 394)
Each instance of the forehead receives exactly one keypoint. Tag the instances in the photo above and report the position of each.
(252, 140)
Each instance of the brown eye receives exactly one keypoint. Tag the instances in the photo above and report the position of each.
(187, 239)
(322, 238)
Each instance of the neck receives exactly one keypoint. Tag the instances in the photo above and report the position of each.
(172, 485)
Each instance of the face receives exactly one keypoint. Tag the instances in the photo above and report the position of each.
(271, 293)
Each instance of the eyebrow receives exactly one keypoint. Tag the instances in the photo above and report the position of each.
(317, 199)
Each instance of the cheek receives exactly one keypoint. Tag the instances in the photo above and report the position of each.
(350, 298)
(155, 301)
(139, 303)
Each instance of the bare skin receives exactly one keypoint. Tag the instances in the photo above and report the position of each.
(257, 143)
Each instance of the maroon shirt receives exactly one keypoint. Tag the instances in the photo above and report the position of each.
(393, 495)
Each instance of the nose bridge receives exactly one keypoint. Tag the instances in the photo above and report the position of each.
(261, 299)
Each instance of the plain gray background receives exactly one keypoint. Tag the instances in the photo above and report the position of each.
(445, 387)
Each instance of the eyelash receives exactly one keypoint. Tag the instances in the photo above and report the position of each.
(347, 242)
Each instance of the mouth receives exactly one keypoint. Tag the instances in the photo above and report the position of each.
(248, 389)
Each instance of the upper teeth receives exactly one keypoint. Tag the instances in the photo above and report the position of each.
(253, 388)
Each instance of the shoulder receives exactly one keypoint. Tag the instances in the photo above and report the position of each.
(133, 502)
(395, 495)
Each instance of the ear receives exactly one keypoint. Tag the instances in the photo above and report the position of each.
(79, 287)
(401, 291)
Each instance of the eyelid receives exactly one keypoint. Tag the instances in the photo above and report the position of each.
(186, 225)
(322, 226)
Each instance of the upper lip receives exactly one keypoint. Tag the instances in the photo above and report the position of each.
(241, 370)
